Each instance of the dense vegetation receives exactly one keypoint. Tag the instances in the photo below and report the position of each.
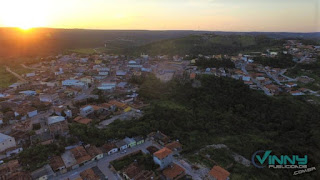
(144, 160)
(280, 61)
(207, 45)
(36, 156)
(224, 111)
(214, 63)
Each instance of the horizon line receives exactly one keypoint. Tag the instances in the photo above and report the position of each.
(164, 30)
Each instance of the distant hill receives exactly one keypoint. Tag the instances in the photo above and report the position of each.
(207, 44)
(45, 41)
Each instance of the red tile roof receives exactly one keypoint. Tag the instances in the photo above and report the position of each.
(162, 153)
(173, 171)
(219, 173)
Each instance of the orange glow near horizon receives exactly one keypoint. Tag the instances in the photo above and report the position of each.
(24, 14)
(212, 15)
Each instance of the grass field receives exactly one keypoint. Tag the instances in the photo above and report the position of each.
(6, 78)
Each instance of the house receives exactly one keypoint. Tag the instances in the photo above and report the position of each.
(89, 174)
(130, 142)
(26, 111)
(291, 84)
(30, 74)
(28, 93)
(218, 173)
(297, 93)
(86, 110)
(139, 140)
(174, 146)
(43, 138)
(133, 171)
(163, 157)
(57, 164)
(12, 171)
(73, 82)
(55, 119)
(6, 142)
(95, 153)
(48, 97)
(81, 155)
(43, 173)
(159, 137)
(110, 148)
(121, 145)
(193, 75)
(174, 172)
(82, 120)
(58, 125)
(107, 86)
(121, 73)
(69, 160)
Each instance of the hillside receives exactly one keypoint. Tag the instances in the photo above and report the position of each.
(207, 44)
(45, 41)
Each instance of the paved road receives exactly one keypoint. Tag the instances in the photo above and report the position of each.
(243, 68)
(103, 164)
(15, 74)
(124, 116)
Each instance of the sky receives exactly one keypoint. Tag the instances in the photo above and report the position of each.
(213, 15)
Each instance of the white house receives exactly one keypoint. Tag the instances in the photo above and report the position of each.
(6, 142)
(86, 110)
(163, 157)
(30, 74)
(28, 93)
(121, 73)
(246, 78)
(72, 82)
(107, 86)
(55, 119)
(110, 148)
(121, 145)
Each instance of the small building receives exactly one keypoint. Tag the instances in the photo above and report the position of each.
(43, 138)
(107, 86)
(159, 137)
(95, 153)
(82, 120)
(121, 73)
(121, 145)
(55, 119)
(89, 174)
(69, 160)
(163, 157)
(43, 173)
(57, 164)
(218, 173)
(73, 82)
(174, 172)
(139, 140)
(130, 141)
(86, 110)
(110, 148)
(81, 155)
(28, 93)
(6, 142)
(174, 146)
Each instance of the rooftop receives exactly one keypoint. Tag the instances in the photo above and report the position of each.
(4, 137)
(55, 119)
(162, 153)
(219, 173)
(173, 171)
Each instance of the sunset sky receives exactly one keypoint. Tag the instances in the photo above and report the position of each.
(224, 15)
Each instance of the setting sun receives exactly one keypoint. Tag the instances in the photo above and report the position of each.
(24, 14)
